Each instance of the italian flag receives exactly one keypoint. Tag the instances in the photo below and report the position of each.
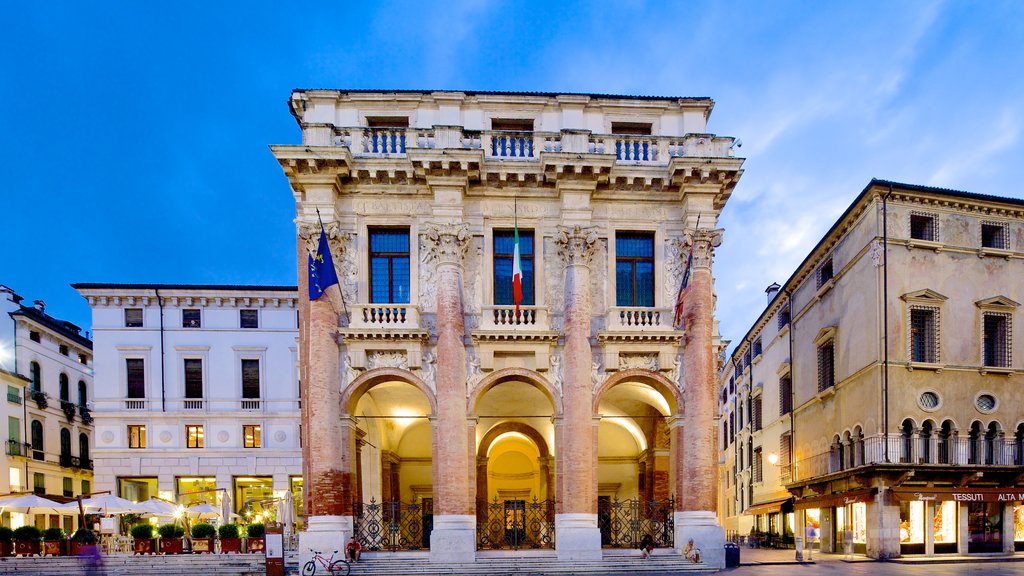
(517, 274)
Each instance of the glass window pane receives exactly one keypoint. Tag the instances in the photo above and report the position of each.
(193, 378)
(623, 283)
(400, 280)
(504, 242)
(644, 284)
(528, 291)
(503, 282)
(379, 279)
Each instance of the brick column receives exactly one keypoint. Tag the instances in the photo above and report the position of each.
(576, 518)
(697, 482)
(454, 535)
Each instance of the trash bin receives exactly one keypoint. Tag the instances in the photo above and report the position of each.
(732, 555)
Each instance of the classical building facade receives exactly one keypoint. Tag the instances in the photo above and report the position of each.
(197, 393)
(881, 387)
(436, 404)
(47, 366)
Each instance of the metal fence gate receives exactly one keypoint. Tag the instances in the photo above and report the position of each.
(515, 524)
(394, 526)
(624, 524)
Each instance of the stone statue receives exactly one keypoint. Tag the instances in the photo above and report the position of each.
(473, 371)
(555, 372)
(597, 374)
(429, 369)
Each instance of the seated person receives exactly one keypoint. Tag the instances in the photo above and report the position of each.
(353, 549)
(646, 546)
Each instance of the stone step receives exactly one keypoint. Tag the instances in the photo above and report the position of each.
(160, 565)
(418, 564)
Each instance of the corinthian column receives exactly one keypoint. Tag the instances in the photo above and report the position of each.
(454, 535)
(576, 517)
(696, 482)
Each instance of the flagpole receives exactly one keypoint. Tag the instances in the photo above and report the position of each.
(344, 305)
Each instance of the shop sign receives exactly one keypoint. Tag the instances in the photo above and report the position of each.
(962, 494)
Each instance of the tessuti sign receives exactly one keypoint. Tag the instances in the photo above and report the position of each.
(961, 494)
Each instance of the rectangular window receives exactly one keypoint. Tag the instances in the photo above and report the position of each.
(512, 124)
(389, 266)
(825, 272)
(39, 483)
(996, 339)
(34, 336)
(69, 489)
(194, 436)
(190, 318)
(923, 335)
(993, 235)
(83, 359)
(785, 395)
(251, 436)
(136, 371)
(757, 347)
(136, 436)
(758, 467)
(826, 366)
(63, 349)
(922, 227)
(634, 269)
(632, 128)
(504, 247)
(133, 317)
(756, 414)
(193, 378)
(86, 487)
(250, 378)
(783, 317)
(249, 318)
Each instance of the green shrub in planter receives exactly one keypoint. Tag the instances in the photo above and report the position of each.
(84, 536)
(228, 531)
(256, 530)
(6, 534)
(27, 532)
(53, 534)
(142, 531)
(170, 531)
(203, 530)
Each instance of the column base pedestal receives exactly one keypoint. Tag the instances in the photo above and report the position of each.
(577, 537)
(700, 538)
(325, 534)
(453, 539)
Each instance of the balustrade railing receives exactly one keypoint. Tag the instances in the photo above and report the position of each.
(639, 318)
(192, 404)
(16, 448)
(500, 317)
(134, 404)
(933, 449)
(250, 404)
(384, 316)
(510, 144)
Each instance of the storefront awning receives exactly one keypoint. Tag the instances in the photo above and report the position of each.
(770, 507)
(834, 500)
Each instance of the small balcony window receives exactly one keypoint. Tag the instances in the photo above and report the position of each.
(133, 317)
(249, 318)
(190, 318)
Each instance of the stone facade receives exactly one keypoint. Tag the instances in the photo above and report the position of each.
(875, 458)
(579, 392)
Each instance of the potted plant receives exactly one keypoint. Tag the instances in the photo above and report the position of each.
(255, 542)
(54, 540)
(26, 540)
(229, 539)
(202, 537)
(83, 537)
(142, 534)
(171, 541)
(6, 536)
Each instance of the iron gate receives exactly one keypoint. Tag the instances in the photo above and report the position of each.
(624, 524)
(394, 525)
(515, 524)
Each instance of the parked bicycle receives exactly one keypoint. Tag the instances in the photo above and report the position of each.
(339, 567)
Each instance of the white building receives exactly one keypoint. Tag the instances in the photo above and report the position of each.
(196, 392)
(47, 366)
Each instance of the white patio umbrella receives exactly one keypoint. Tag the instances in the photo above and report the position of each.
(286, 513)
(158, 507)
(226, 509)
(33, 504)
(202, 511)
(105, 504)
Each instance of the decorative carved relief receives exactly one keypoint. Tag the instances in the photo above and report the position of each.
(447, 243)
(473, 372)
(676, 251)
(428, 271)
(876, 251)
(343, 253)
(576, 245)
(429, 370)
(597, 374)
(642, 361)
(396, 359)
(471, 279)
(676, 375)
(351, 372)
(599, 276)
(554, 275)
(555, 372)
(704, 242)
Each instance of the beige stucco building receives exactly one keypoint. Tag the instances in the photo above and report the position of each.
(477, 425)
(880, 388)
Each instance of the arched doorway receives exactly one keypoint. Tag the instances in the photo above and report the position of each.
(392, 491)
(515, 475)
(635, 458)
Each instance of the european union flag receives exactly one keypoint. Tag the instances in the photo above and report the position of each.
(321, 269)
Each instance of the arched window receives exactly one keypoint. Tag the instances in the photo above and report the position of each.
(858, 446)
(36, 373)
(1018, 446)
(837, 454)
(926, 441)
(907, 443)
(65, 443)
(37, 435)
(992, 454)
(65, 388)
(974, 436)
(83, 448)
(83, 396)
(848, 443)
(945, 448)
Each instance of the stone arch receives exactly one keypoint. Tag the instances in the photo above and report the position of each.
(655, 380)
(354, 391)
(518, 374)
(505, 427)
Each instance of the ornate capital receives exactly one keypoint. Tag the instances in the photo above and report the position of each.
(342, 252)
(576, 245)
(704, 241)
(446, 243)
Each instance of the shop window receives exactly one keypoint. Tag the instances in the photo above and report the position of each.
(137, 489)
(859, 524)
(634, 269)
(251, 497)
(1018, 526)
(912, 527)
(194, 490)
(984, 527)
(946, 526)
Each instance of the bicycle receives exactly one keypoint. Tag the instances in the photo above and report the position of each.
(339, 567)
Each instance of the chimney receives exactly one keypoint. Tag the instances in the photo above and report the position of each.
(772, 290)
(40, 305)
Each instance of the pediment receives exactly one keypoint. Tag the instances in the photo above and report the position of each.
(997, 302)
(824, 334)
(925, 295)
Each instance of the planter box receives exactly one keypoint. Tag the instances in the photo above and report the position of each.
(26, 547)
(202, 545)
(230, 545)
(53, 548)
(172, 545)
(144, 546)
(6, 549)
(254, 545)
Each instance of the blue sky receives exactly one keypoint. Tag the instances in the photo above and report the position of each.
(133, 136)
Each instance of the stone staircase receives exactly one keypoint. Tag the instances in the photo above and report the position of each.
(160, 565)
